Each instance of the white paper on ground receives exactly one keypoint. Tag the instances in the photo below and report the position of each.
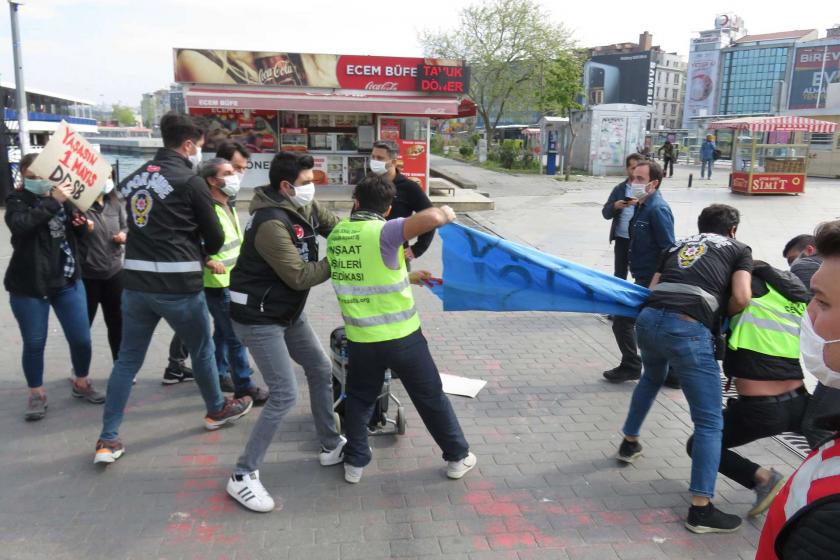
(463, 386)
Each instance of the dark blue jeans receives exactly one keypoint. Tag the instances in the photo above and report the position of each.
(231, 355)
(666, 338)
(33, 314)
(410, 360)
(142, 311)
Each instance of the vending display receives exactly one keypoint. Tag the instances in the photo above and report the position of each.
(294, 140)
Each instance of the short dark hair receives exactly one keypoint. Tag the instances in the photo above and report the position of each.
(227, 149)
(375, 193)
(210, 167)
(176, 129)
(26, 162)
(827, 238)
(799, 243)
(633, 157)
(286, 166)
(718, 218)
(390, 147)
(655, 172)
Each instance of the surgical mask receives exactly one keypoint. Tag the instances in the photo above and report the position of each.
(379, 167)
(812, 349)
(638, 189)
(109, 186)
(231, 186)
(195, 159)
(37, 186)
(304, 194)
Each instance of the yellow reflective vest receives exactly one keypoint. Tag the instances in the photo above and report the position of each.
(229, 252)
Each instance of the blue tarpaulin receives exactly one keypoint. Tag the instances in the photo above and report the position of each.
(486, 273)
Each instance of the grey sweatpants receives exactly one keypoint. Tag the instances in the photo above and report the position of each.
(273, 348)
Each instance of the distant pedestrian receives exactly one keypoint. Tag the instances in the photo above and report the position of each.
(707, 156)
(619, 208)
(802, 257)
(44, 272)
(668, 152)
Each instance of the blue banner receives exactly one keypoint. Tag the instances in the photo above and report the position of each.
(486, 273)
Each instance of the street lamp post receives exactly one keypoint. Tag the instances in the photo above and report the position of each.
(22, 110)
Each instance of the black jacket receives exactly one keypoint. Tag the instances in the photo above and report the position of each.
(101, 256)
(609, 212)
(170, 213)
(36, 268)
(747, 364)
(410, 199)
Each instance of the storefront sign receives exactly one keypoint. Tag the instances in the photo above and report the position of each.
(372, 73)
(813, 69)
(768, 183)
(254, 129)
(69, 159)
(700, 85)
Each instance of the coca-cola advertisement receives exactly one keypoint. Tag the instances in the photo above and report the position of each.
(369, 73)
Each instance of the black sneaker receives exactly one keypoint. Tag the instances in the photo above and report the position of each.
(175, 373)
(257, 394)
(672, 381)
(629, 451)
(708, 519)
(621, 374)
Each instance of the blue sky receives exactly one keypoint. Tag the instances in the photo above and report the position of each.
(114, 50)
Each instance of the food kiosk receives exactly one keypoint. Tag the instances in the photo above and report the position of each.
(770, 154)
(333, 107)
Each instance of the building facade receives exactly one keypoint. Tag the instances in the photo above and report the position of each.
(669, 92)
(154, 106)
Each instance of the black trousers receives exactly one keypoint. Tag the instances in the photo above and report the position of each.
(747, 419)
(622, 257)
(178, 352)
(666, 163)
(108, 294)
(624, 329)
(409, 358)
(824, 402)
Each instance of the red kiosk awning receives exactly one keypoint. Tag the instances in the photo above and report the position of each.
(771, 124)
(336, 102)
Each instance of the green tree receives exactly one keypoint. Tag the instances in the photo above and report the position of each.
(562, 88)
(123, 115)
(507, 44)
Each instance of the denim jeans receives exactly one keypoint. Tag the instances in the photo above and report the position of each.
(410, 360)
(666, 338)
(33, 314)
(142, 311)
(274, 347)
(231, 356)
(706, 165)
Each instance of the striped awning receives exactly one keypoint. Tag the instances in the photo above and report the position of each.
(770, 124)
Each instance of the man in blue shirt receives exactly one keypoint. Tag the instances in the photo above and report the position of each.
(707, 156)
(651, 232)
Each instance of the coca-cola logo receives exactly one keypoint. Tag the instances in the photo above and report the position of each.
(384, 86)
(280, 70)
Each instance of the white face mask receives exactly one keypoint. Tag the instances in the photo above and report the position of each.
(304, 194)
(379, 167)
(638, 189)
(812, 350)
(231, 186)
(109, 186)
(195, 159)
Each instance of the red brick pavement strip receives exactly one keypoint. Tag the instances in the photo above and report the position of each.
(544, 428)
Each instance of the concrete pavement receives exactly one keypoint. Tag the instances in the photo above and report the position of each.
(545, 430)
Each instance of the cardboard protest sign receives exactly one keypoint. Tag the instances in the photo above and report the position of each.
(69, 159)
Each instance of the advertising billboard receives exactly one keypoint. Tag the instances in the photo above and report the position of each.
(620, 78)
(373, 73)
(701, 84)
(813, 69)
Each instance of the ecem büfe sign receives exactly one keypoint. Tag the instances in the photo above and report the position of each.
(372, 73)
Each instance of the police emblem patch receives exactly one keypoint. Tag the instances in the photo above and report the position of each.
(298, 231)
(141, 205)
(690, 253)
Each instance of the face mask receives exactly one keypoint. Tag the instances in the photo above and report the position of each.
(195, 159)
(638, 189)
(37, 186)
(812, 347)
(304, 194)
(109, 186)
(378, 167)
(231, 185)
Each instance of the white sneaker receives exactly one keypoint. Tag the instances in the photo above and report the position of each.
(457, 469)
(334, 457)
(249, 491)
(352, 474)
